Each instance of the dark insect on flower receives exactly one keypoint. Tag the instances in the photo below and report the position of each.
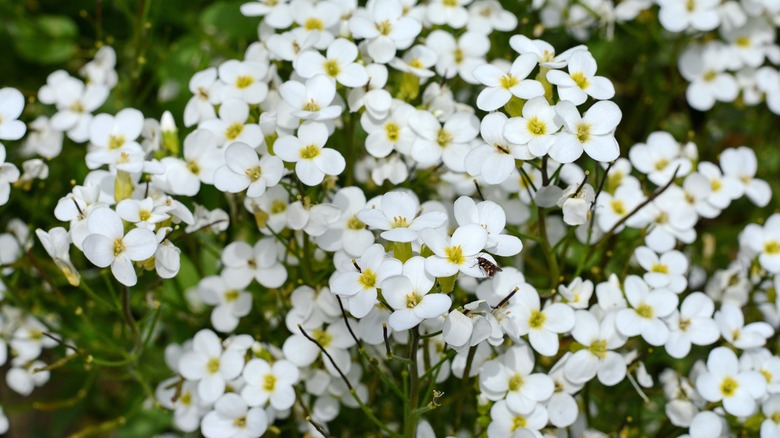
(487, 267)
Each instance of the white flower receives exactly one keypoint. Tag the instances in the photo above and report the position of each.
(544, 52)
(494, 160)
(771, 409)
(23, 379)
(202, 157)
(667, 271)
(231, 301)
(492, 218)
(459, 57)
(244, 170)
(502, 86)
(210, 365)
(348, 232)
(43, 139)
(487, 15)
(319, 17)
(705, 69)
(57, 242)
(201, 105)
(270, 383)
(390, 133)
(243, 80)
(577, 294)
(724, 382)
(732, 327)
(312, 160)
(386, 28)
(9, 174)
(11, 106)
(360, 284)
(339, 64)
(660, 158)
(536, 128)
(693, 324)
(597, 358)
(232, 126)
(408, 295)
(416, 61)
(677, 16)
(648, 307)
(143, 213)
(741, 164)
(314, 220)
(456, 254)
(397, 214)
(449, 142)
(510, 376)
(541, 325)
(576, 202)
(75, 103)
(260, 262)
(107, 244)
(581, 81)
(311, 101)
(275, 13)
(232, 418)
(449, 12)
(594, 132)
(335, 339)
(27, 341)
(505, 421)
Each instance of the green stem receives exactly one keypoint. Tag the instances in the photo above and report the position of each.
(410, 418)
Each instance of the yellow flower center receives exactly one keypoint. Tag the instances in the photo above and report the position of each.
(516, 382)
(710, 76)
(244, 81)
(193, 167)
(450, 3)
(536, 321)
(314, 24)
(583, 132)
(212, 366)
(119, 246)
(459, 56)
(312, 106)
(392, 130)
(599, 348)
(743, 41)
(716, 185)
(144, 215)
(767, 375)
(384, 27)
(367, 279)
(518, 422)
(690, 5)
(186, 398)
(332, 68)
(729, 387)
(645, 311)
(508, 81)
(443, 138)
(278, 206)
(232, 295)
(254, 173)
(537, 127)
(772, 247)
(618, 207)
(116, 141)
(322, 337)
(269, 383)
(400, 222)
(77, 107)
(454, 255)
(240, 422)
(416, 63)
(310, 152)
(355, 224)
(580, 79)
(233, 131)
(413, 299)
(661, 164)
(662, 269)
(684, 324)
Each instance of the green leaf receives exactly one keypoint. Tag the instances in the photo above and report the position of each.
(48, 39)
(225, 19)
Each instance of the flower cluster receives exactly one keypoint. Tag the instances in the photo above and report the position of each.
(405, 212)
